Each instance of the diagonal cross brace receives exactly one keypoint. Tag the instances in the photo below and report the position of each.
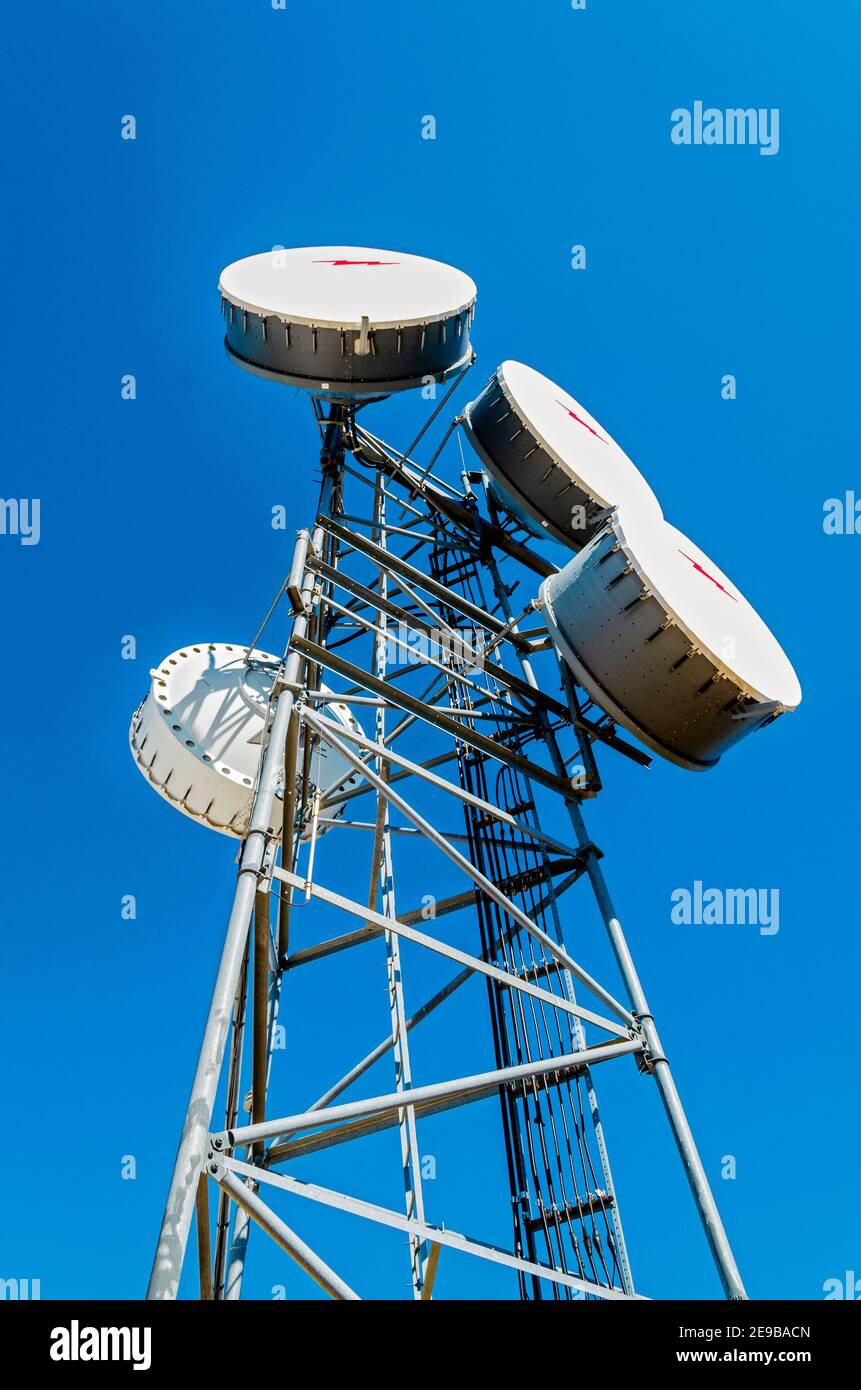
(553, 948)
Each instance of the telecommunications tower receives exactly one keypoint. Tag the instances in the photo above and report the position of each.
(418, 719)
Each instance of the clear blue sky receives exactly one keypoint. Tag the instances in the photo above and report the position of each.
(257, 127)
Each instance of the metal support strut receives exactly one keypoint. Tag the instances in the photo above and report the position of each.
(179, 1208)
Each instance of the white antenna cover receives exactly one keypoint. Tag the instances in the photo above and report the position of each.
(709, 607)
(197, 735)
(665, 642)
(550, 458)
(347, 321)
(338, 286)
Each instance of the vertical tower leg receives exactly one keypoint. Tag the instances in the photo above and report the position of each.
(176, 1223)
(659, 1066)
(410, 1157)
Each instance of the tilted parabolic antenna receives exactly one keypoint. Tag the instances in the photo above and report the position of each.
(416, 881)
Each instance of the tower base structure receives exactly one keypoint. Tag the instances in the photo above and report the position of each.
(464, 771)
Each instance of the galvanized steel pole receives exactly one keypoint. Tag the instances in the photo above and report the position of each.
(176, 1223)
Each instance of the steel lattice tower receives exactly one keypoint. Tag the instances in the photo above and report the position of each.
(399, 600)
(398, 609)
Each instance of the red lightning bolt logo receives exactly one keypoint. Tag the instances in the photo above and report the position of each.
(570, 412)
(714, 581)
(356, 262)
